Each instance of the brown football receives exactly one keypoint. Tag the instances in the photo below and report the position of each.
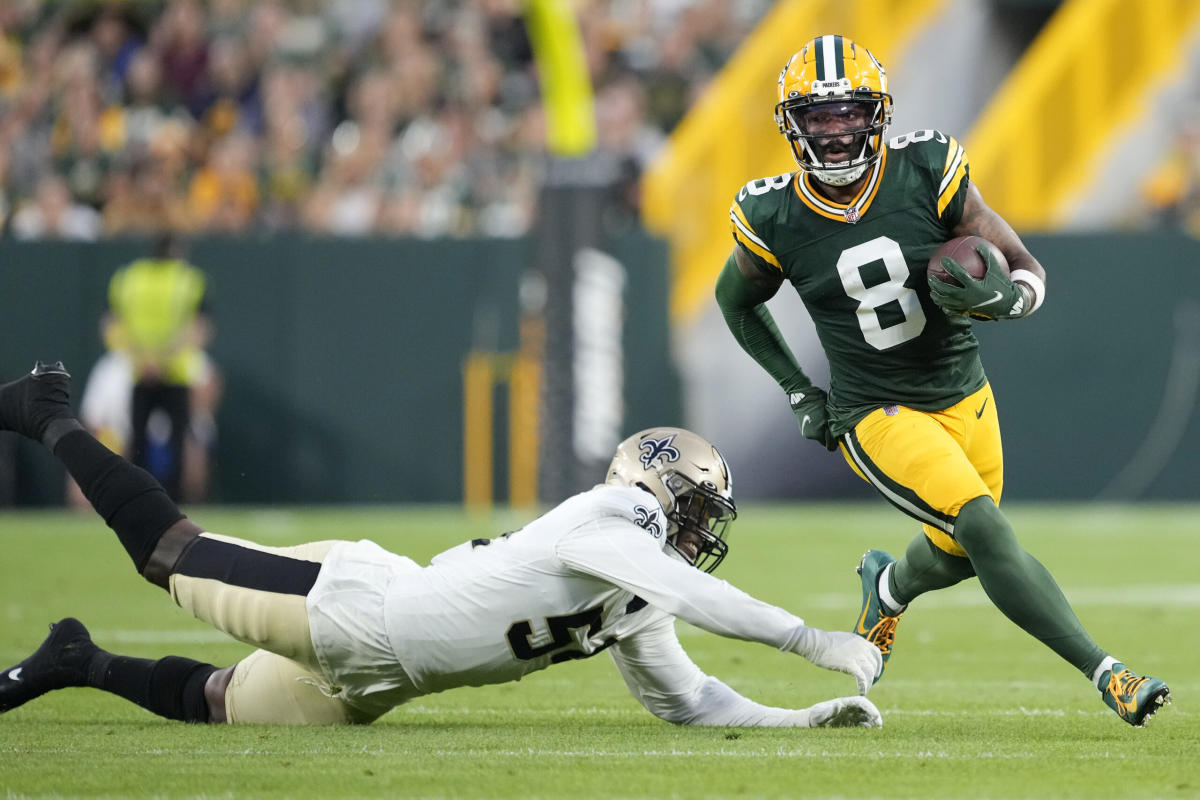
(963, 250)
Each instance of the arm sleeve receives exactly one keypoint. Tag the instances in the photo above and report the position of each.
(617, 551)
(671, 687)
(750, 321)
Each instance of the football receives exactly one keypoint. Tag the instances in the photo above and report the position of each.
(963, 250)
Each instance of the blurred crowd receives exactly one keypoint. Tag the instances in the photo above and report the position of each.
(347, 117)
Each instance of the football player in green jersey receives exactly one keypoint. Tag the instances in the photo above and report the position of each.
(908, 405)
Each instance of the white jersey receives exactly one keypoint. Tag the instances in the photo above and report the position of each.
(592, 574)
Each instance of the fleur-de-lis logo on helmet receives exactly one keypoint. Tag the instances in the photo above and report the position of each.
(655, 449)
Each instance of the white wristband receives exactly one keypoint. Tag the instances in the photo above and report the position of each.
(1035, 284)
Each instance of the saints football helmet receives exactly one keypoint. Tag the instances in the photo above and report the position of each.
(691, 481)
(833, 88)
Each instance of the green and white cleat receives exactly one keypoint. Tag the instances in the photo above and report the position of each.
(875, 623)
(1134, 697)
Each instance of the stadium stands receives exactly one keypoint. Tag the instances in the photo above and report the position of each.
(349, 117)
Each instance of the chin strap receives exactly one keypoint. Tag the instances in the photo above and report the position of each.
(839, 177)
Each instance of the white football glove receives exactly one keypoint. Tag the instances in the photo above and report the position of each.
(842, 651)
(844, 712)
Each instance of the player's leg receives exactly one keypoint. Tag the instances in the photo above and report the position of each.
(268, 688)
(1016, 582)
(255, 594)
(172, 687)
(127, 497)
(1025, 591)
(897, 450)
(263, 688)
(925, 567)
(946, 469)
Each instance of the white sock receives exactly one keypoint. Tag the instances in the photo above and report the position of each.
(1105, 665)
(885, 594)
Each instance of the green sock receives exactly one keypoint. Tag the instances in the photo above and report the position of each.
(1021, 587)
(925, 567)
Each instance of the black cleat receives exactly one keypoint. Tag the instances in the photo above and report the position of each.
(29, 404)
(61, 661)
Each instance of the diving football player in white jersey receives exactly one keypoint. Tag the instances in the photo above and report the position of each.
(346, 631)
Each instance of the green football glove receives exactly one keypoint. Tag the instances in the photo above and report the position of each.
(809, 407)
(992, 297)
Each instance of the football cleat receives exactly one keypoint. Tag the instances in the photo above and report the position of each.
(29, 404)
(875, 624)
(61, 661)
(1134, 697)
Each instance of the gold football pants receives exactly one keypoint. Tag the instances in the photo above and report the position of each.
(257, 595)
(929, 464)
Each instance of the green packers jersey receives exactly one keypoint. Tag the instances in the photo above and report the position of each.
(860, 269)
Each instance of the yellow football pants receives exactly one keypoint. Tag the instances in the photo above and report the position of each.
(929, 464)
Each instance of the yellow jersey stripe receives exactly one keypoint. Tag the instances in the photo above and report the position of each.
(737, 219)
(953, 174)
(744, 235)
(814, 202)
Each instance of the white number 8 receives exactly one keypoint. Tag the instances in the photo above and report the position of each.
(893, 290)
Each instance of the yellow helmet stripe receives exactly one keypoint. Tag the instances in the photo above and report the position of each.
(953, 173)
(745, 236)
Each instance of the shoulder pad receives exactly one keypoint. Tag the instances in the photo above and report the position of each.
(751, 213)
(941, 155)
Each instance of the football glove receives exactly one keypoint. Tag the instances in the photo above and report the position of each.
(844, 712)
(992, 297)
(809, 407)
(841, 651)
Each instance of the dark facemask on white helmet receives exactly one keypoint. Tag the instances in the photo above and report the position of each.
(701, 518)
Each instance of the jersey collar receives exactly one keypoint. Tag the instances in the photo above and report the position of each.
(844, 212)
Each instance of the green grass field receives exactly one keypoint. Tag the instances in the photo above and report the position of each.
(973, 708)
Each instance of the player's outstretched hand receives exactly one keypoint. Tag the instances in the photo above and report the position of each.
(809, 407)
(844, 712)
(842, 651)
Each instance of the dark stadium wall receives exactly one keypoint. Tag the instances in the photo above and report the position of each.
(343, 366)
(1099, 392)
(342, 358)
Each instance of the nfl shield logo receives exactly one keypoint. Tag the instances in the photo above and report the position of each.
(852, 215)
(891, 411)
